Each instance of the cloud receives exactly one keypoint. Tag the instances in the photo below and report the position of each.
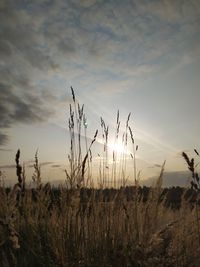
(86, 3)
(67, 46)
(19, 108)
(56, 166)
(41, 164)
(123, 32)
(172, 11)
(10, 166)
(5, 150)
(22, 61)
(3, 138)
(18, 35)
(130, 34)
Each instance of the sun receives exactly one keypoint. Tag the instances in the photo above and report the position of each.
(117, 147)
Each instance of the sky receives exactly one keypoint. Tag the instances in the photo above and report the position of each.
(139, 56)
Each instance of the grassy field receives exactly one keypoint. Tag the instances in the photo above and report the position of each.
(83, 224)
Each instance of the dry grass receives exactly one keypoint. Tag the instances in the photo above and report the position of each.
(78, 226)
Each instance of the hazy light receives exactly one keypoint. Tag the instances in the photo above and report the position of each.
(117, 147)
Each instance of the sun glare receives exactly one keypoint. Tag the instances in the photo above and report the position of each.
(117, 147)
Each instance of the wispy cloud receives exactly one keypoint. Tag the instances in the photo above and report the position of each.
(56, 166)
(5, 150)
(41, 164)
(3, 138)
(8, 166)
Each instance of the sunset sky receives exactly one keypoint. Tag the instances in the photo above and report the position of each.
(139, 56)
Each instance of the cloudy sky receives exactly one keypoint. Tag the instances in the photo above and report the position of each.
(139, 56)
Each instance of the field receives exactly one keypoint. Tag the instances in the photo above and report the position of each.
(88, 225)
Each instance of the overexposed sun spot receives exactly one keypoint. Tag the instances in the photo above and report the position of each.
(117, 147)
